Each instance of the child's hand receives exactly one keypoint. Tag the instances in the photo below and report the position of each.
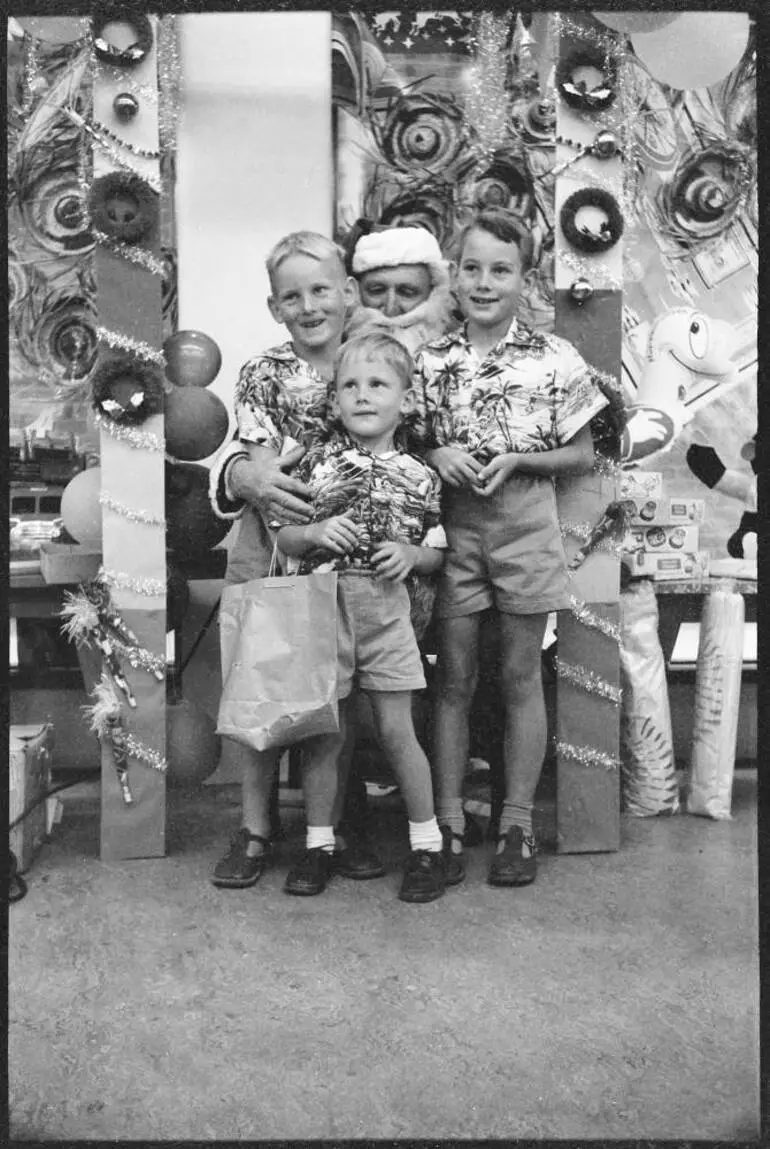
(495, 473)
(338, 534)
(456, 467)
(394, 561)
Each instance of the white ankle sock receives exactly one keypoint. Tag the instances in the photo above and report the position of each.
(425, 836)
(320, 836)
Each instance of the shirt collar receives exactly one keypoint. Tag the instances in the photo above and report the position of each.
(517, 335)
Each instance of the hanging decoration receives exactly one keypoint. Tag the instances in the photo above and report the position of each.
(588, 237)
(697, 51)
(106, 721)
(141, 440)
(151, 587)
(196, 422)
(125, 106)
(124, 206)
(131, 252)
(573, 87)
(80, 511)
(91, 619)
(130, 14)
(587, 756)
(487, 105)
(587, 680)
(610, 529)
(193, 359)
(588, 617)
(133, 514)
(126, 391)
(136, 347)
(709, 187)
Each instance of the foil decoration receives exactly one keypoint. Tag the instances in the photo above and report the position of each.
(648, 782)
(717, 702)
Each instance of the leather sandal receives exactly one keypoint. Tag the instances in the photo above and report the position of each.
(237, 870)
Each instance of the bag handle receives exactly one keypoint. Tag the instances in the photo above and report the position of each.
(273, 560)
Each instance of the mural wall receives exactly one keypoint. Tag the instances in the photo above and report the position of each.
(434, 113)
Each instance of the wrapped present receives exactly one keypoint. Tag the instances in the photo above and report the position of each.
(661, 538)
(641, 485)
(648, 772)
(67, 563)
(668, 566)
(665, 512)
(30, 778)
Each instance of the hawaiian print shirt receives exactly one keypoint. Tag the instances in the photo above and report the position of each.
(279, 396)
(393, 498)
(531, 392)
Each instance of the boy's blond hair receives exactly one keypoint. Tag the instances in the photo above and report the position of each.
(309, 243)
(376, 345)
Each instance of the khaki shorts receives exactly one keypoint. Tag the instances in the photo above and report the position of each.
(252, 549)
(376, 645)
(505, 551)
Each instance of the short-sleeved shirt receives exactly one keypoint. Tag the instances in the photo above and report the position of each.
(531, 392)
(280, 396)
(394, 497)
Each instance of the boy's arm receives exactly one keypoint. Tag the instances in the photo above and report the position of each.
(338, 535)
(574, 458)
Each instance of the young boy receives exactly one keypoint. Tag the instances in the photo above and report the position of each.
(282, 396)
(376, 512)
(507, 411)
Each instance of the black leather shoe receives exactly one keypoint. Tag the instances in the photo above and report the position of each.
(357, 861)
(424, 877)
(514, 867)
(454, 863)
(237, 870)
(311, 873)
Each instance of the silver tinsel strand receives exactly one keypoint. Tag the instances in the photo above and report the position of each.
(587, 756)
(592, 683)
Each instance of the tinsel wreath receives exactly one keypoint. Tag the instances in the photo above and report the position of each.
(123, 206)
(138, 22)
(575, 92)
(125, 390)
(583, 238)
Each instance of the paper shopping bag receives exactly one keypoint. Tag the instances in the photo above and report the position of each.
(278, 639)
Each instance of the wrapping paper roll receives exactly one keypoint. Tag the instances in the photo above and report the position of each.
(717, 700)
(648, 773)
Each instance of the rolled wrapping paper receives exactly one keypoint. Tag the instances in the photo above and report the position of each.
(648, 783)
(717, 701)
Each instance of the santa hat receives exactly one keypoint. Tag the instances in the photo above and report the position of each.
(397, 245)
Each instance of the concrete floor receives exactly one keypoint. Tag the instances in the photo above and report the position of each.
(616, 998)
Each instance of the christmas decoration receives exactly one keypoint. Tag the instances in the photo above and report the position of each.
(141, 440)
(574, 90)
(126, 391)
(125, 106)
(124, 206)
(140, 25)
(698, 50)
(136, 347)
(80, 510)
(196, 422)
(192, 359)
(581, 290)
(587, 756)
(585, 237)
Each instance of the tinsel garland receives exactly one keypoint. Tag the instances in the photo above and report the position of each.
(583, 613)
(118, 339)
(109, 149)
(141, 440)
(169, 82)
(137, 255)
(587, 680)
(587, 756)
(152, 587)
(487, 109)
(132, 513)
(606, 467)
(106, 721)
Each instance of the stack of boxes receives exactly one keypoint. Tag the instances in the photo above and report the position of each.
(662, 539)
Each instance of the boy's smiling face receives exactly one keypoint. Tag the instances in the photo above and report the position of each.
(310, 297)
(488, 279)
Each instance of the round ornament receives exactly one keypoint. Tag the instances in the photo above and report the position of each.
(196, 422)
(126, 391)
(708, 188)
(539, 119)
(123, 206)
(138, 22)
(591, 239)
(574, 74)
(605, 145)
(125, 106)
(192, 359)
(581, 291)
(192, 528)
(81, 511)
(192, 744)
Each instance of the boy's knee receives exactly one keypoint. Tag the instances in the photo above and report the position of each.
(456, 685)
(521, 681)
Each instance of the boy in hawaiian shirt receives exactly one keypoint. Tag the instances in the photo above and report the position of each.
(376, 520)
(508, 411)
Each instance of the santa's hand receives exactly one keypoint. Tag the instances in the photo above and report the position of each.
(456, 467)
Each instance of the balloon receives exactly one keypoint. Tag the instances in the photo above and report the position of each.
(192, 744)
(192, 528)
(192, 359)
(81, 511)
(196, 422)
(637, 21)
(55, 29)
(699, 50)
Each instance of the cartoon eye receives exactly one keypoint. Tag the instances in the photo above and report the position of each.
(699, 338)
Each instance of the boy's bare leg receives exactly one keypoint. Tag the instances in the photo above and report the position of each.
(258, 770)
(525, 717)
(396, 734)
(320, 771)
(456, 678)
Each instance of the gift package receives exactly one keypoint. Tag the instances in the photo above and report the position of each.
(29, 779)
(662, 539)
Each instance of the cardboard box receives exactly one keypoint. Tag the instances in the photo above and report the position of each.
(641, 485)
(29, 778)
(62, 563)
(669, 566)
(657, 539)
(665, 512)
